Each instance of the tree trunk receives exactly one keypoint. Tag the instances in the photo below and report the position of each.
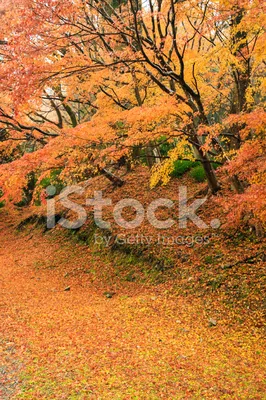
(149, 156)
(237, 184)
(210, 175)
(153, 154)
(113, 178)
(207, 165)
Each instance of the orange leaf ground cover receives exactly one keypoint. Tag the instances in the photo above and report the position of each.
(144, 342)
(191, 331)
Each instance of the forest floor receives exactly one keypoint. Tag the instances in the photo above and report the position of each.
(70, 332)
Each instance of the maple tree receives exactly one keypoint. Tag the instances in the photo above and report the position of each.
(91, 83)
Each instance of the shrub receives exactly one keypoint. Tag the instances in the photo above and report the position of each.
(216, 165)
(198, 173)
(181, 167)
(52, 179)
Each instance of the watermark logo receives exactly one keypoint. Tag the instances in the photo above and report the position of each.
(148, 240)
(186, 212)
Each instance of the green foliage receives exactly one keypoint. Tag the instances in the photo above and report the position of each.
(198, 173)
(216, 166)
(196, 169)
(208, 260)
(165, 146)
(52, 179)
(117, 3)
(45, 182)
(181, 167)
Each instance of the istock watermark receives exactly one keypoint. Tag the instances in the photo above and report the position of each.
(186, 212)
(148, 240)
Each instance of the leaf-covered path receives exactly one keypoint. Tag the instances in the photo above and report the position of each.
(141, 343)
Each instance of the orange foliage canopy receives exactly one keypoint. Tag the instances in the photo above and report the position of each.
(86, 83)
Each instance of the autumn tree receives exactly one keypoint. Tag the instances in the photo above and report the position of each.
(117, 76)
